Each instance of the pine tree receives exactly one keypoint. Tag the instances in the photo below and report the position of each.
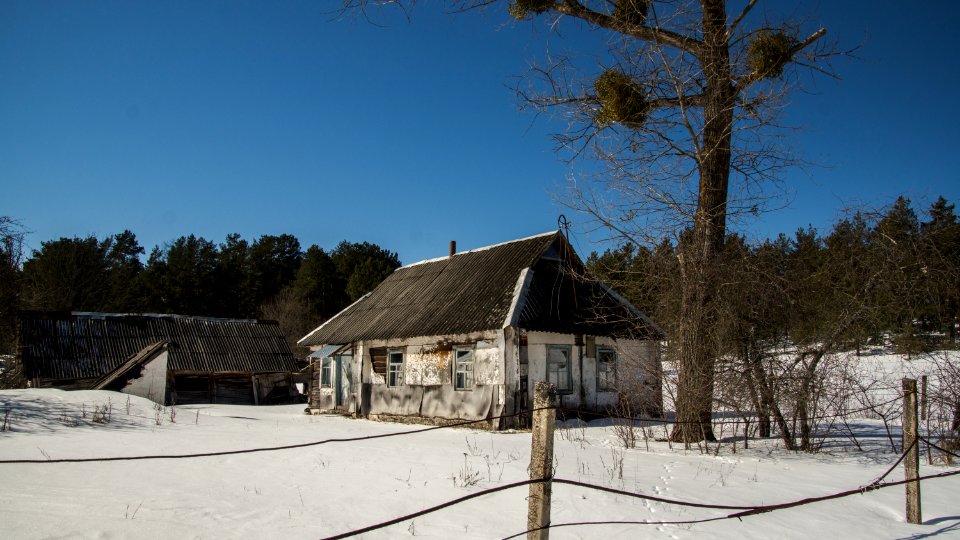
(320, 285)
(273, 264)
(182, 277)
(363, 266)
(940, 252)
(124, 269)
(68, 274)
(234, 297)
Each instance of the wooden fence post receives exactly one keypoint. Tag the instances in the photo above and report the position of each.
(923, 397)
(541, 460)
(911, 462)
(925, 414)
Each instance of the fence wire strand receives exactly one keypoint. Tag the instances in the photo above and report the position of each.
(931, 444)
(753, 511)
(655, 420)
(260, 449)
(743, 511)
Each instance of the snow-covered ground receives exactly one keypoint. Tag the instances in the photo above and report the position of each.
(323, 490)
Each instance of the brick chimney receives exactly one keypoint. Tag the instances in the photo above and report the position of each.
(453, 248)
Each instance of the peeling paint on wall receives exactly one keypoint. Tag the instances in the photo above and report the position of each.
(429, 366)
(488, 368)
(427, 389)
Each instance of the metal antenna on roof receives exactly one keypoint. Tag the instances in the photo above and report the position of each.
(564, 225)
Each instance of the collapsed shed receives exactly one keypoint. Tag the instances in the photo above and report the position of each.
(170, 359)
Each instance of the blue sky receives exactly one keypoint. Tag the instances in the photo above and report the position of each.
(172, 118)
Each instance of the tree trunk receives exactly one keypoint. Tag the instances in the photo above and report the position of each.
(955, 426)
(696, 350)
(757, 394)
(804, 399)
(766, 396)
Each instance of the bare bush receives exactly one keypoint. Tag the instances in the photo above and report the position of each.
(103, 414)
(466, 476)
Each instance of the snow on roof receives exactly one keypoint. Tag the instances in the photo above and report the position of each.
(476, 250)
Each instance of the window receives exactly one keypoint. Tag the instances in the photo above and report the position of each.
(463, 369)
(558, 368)
(395, 368)
(606, 370)
(326, 373)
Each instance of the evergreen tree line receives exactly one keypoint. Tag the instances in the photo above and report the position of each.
(785, 305)
(875, 278)
(271, 277)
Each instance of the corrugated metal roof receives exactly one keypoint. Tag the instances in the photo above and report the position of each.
(473, 291)
(63, 346)
(324, 351)
(562, 299)
(468, 292)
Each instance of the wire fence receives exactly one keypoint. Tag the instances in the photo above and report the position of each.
(720, 421)
(739, 511)
(742, 510)
(256, 450)
(463, 423)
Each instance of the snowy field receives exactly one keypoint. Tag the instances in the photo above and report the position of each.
(323, 490)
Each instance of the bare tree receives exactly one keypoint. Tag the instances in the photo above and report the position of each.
(682, 106)
(292, 313)
(11, 258)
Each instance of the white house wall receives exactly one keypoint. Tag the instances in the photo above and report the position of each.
(428, 378)
(640, 373)
(325, 398)
(152, 382)
(637, 371)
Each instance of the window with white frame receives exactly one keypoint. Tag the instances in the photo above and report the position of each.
(326, 373)
(463, 369)
(558, 367)
(606, 369)
(395, 368)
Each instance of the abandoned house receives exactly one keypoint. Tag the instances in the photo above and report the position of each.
(467, 336)
(170, 359)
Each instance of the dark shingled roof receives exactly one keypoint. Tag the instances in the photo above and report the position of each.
(69, 346)
(474, 291)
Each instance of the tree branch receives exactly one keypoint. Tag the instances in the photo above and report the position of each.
(736, 22)
(573, 8)
(755, 76)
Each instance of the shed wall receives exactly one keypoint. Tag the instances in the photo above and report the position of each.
(152, 382)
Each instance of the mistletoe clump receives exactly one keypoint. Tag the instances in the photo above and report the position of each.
(520, 9)
(621, 99)
(631, 11)
(769, 52)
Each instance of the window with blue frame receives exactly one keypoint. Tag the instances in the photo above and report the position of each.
(395, 368)
(463, 369)
(326, 373)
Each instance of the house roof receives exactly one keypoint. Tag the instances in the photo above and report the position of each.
(527, 283)
(65, 346)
